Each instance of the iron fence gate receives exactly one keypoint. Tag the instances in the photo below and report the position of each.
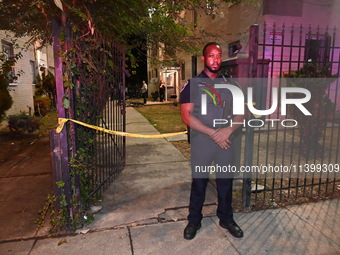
(99, 99)
(281, 57)
(90, 83)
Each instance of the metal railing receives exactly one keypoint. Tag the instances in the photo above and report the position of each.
(99, 99)
(311, 150)
(90, 84)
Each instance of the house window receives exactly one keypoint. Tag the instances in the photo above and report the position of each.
(234, 48)
(182, 71)
(193, 65)
(32, 70)
(8, 51)
(317, 49)
(13, 76)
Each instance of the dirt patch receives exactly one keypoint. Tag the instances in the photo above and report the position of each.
(13, 143)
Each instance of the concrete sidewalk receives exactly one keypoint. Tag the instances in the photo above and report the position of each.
(144, 212)
(25, 183)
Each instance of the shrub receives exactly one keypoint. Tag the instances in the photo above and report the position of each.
(316, 79)
(5, 69)
(5, 103)
(42, 105)
(23, 123)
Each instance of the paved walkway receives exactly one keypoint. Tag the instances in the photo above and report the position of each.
(144, 212)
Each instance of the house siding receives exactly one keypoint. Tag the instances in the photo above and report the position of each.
(22, 91)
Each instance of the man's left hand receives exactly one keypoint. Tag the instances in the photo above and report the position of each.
(221, 137)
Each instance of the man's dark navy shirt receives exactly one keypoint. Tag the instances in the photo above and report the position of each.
(219, 101)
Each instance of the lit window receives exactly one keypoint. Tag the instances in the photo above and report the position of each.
(7, 49)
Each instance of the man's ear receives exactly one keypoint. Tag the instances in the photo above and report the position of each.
(202, 58)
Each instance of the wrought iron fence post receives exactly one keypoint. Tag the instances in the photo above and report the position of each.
(56, 162)
(59, 142)
(248, 160)
(249, 143)
(124, 74)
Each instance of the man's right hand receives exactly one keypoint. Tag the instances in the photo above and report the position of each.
(221, 137)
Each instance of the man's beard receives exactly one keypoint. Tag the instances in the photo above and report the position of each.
(211, 70)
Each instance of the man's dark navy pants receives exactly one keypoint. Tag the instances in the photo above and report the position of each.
(204, 152)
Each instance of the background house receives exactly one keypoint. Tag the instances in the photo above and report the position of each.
(216, 25)
(34, 61)
(307, 24)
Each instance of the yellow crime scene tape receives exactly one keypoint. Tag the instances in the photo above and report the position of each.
(62, 121)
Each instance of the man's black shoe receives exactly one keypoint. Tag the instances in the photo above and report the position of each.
(190, 230)
(233, 228)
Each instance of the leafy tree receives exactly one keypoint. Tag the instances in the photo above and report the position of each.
(134, 24)
(5, 78)
(125, 20)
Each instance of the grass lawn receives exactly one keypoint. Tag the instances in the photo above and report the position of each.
(166, 118)
(49, 121)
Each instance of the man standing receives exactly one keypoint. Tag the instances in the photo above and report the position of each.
(144, 91)
(161, 91)
(208, 142)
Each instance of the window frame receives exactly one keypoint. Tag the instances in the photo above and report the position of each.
(319, 53)
(7, 49)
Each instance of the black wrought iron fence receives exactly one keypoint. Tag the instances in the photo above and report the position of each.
(293, 156)
(99, 99)
(90, 88)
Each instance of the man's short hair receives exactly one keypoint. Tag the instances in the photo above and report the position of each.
(208, 44)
